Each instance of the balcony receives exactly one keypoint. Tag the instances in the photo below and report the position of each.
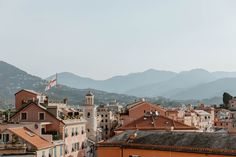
(54, 135)
(12, 145)
(11, 148)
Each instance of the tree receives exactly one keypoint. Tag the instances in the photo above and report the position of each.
(226, 98)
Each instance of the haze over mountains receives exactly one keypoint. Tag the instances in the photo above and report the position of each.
(188, 85)
(13, 79)
(193, 84)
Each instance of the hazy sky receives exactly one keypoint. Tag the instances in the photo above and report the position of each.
(102, 38)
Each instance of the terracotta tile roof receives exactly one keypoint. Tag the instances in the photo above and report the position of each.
(155, 123)
(28, 90)
(30, 137)
(39, 106)
(136, 104)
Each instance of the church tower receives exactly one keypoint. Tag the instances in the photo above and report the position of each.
(90, 115)
(89, 99)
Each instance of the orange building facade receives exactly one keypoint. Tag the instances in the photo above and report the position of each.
(131, 152)
(138, 109)
(168, 144)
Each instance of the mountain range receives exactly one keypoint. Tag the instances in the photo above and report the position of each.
(193, 84)
(13, 79)
(164, 87)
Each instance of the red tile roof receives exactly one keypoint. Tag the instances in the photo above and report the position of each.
(155, 123)
(136, 104)
(30, 137)
(27, 90)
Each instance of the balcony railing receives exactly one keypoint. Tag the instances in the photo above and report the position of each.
(55, 135)
(15, 146)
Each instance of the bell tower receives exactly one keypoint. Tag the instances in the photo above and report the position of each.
(90, 115)
(89, 99)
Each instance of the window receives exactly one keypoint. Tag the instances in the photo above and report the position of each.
(72, 132)
(73, 147)
(50, 153)
(82, 130)
(102, 120)
(88, 130)
(83, 145)
(66, 149)
(134, 156)
(77, 146)
(88, 115)
(106, 115)
(5, 138)
(43, 154)
(106, 120)
(23, 116)
(76, 131)
(61, 150)
(66, 132)
(55, 151)
(41, 116)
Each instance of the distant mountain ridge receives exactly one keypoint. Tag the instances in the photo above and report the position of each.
(12, 79)
(151, 83)
(117, 84)
(195, 86)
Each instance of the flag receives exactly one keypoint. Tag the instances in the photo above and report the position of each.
(51, 83)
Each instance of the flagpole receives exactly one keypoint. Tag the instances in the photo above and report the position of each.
(56, 80)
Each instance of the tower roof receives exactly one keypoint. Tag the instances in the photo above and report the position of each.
(89, 94)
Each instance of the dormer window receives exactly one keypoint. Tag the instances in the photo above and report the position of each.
(41, 116)
(23, 116)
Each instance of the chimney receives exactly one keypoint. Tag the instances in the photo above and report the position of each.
(46, 100)
(156, 113)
